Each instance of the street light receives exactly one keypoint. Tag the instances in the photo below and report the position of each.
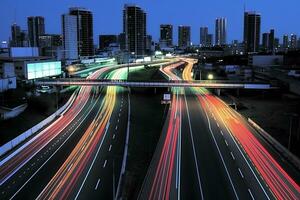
(210, 76)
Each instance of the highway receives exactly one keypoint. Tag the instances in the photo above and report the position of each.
(89, 135)
(208, 151)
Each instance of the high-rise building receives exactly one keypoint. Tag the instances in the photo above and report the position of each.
(184, 36)
(265, 41)
(15, 36)
(166, 35)
(293, 41)
(210, 40)
(203, 36)
(85, 32)
(285, 43)
(106, 40)
(221, 33)
(276, 44)
(70, 42)
(36, 27)
(134, 27)
(271, 40)
(252, 21)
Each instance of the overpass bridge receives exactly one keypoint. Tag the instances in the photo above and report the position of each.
(156, 84)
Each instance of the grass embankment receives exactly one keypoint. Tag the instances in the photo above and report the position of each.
(147, 119)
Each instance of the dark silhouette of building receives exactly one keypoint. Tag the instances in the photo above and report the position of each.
(15, 36)
(166, 34)
(203, 36)
(49, 44)
(272, 40)
(36, 27)
(84, 30)
(106, 40)
(252, 21)
(221, 33)
(265, 41)
(184, 36)
(134, 28)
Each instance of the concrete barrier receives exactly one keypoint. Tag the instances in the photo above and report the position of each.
(16, 141)
(279, 147)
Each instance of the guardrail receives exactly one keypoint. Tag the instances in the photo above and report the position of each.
(279, 147)
(22, 137)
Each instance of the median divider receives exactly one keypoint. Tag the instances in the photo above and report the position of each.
(22, 137)
(276, 145)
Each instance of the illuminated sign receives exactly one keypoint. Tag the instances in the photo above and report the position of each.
(44, 69)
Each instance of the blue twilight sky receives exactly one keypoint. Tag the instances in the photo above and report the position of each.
(282, 15)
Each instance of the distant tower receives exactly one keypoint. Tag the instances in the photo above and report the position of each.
(36, 27)
(252, 21)
(184, 36)
(293, 41)
(203, 36)
(85, 34)
(70, 37)
(134, 28)
(285, 41)
(15, 36)
(166, 34)
(221, 33)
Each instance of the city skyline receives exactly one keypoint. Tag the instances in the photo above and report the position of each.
(157, 14)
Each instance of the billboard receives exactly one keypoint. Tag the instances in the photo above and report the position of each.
(43, 69)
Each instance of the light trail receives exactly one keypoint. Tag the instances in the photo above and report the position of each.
(33, 146)
(65, 180)
(281, 185)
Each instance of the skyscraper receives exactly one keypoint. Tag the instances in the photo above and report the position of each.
(285, 41)
(293, 41)
(166, 34)
(184, 36)
(15, 36)
(221, 35)
(210, 40)
(203, 36)
(70, 42)
(134, 28)
(271, 40)
(84, 20)
(36, 27)
(265, 41)
(252, 22)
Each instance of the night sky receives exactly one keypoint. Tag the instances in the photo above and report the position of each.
(282, 15)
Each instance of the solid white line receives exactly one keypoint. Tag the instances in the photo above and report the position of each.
(238, 147)
(241, 173)
(51, 155)
(98, 150)
(126, 145)
(29, 142)
(219, 151)
(96, 187)
(194, 151)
